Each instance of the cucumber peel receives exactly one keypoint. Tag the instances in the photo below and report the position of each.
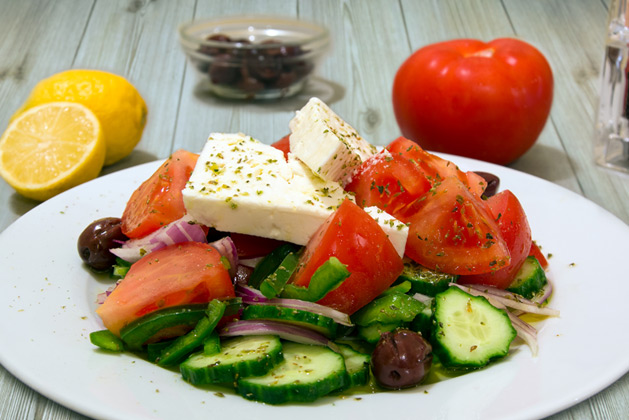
(468, 331)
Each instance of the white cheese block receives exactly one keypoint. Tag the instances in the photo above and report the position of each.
(395, 230)
(241, 185)
(328, 145)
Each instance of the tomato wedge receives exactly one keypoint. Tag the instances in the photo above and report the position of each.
(537, 253)
(388, 181)
(352, 236)
(158, 201)
(434, 168)
(515, 230)
(179, 274)
(452, 231)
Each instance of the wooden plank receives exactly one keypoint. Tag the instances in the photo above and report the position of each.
(39, 39)
(486, 21)
(369, 42)
(138, 40)
(202, 113)
(554, 25)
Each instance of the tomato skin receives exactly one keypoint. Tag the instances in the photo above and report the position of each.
(283, 144)
(357, 241)
(435, 168)
(190, 272)
(158, 201)
(516, 232)
(451, 230)
(488, 101)
(388, 181)
(537, 253)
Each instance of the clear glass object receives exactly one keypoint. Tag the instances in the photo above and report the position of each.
(611, 147)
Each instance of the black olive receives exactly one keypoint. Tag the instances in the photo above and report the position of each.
(97, 239)
(493, 182)
(401, 359)
(223, 71)
(205, 49)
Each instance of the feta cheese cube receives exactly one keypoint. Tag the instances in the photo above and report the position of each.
(395, 230)
(329, 146)
(242, 185)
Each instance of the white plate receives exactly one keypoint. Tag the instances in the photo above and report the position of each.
(47, 312)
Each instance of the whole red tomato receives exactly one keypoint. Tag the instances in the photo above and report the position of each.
(487, 101)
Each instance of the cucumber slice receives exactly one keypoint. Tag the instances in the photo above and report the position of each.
(356, 366)
(176, 320)
(319, 323)
(530, 279)
(252, 355)
(422, 323)
(307, 373)
(423, 280)
(372, 333)
(468, 332)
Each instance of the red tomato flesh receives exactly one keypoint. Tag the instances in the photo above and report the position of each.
(435, 168)
(352, 236)
(283, 144)
(158, 201)
(388, 181)
(537, 253)
(452, 231)
(515, 230)
(179, 274)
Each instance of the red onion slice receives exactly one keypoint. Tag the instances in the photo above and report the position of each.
(250, 292)
(425, 299)
(526, 332)
(511, 300)
(182, 230)
(251, 296)
(101, 297)
(283, 330)
(226, 247)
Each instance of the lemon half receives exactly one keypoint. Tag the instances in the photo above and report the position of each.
(51, 148)
(118, 105)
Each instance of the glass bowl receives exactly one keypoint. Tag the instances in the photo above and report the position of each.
(254, 57)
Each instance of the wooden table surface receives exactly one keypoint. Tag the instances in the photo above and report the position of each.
(137, 39)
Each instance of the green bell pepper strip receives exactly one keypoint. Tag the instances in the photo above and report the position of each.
(326, 278)
(269, 263)
(107, 340)
(275, 282)
(138, 332)
(186, 344)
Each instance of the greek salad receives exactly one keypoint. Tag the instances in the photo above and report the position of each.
(317, 265)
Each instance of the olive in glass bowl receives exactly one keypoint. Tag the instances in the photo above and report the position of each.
(254, 57)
